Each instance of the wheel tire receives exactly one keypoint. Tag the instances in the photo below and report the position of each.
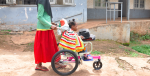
(97, 63)
(76, 62)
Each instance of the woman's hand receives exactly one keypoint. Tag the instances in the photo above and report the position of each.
(53, 23)
(53, 27)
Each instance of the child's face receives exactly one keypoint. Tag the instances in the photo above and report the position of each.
(74, 28)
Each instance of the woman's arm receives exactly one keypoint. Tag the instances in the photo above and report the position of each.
(42, 20)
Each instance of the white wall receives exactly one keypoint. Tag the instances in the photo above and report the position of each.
(131, 4)
(147, 4)
(90, 4)
(116, 32)
(112, 6)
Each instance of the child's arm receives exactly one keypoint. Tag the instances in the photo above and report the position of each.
(82, 37)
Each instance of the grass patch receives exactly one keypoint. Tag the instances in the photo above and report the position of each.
(103, 40)
(134, 43)
(96, 52)
(120, 46)
(5, 30)
(100, 40)
(132, 54)
(29, 44)
(145, 49)
(126, 44)
(135, 36)
(145, 37)
(29, 47)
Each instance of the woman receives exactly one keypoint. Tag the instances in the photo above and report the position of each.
(45, 45)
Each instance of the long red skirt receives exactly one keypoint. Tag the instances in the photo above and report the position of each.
(45, 46)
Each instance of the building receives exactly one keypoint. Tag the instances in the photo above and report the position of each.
(20, 15)
(96, 9)
(139, 8)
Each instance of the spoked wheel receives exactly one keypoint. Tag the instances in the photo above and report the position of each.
(64, 62)
(97, 65)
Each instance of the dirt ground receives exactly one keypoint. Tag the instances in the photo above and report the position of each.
(17, 58)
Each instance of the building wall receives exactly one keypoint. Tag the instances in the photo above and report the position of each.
(140, 13)
(25, 18)
(91, 4)
(120, 32)
(140, 27)
(112, 6)
(99, 13)
(131, 4)
(147, 5)
(116, 32)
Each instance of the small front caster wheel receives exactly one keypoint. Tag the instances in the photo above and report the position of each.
(97, 65)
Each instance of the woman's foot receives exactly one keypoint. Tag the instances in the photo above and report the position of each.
(40, 67)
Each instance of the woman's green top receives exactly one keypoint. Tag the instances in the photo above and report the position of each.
(44, 20)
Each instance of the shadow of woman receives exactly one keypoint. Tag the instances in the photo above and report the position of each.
(47, 73)
(81, 72)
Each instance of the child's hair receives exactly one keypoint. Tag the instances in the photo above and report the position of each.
(72, 23)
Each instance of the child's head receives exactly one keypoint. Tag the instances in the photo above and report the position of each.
(72, 25)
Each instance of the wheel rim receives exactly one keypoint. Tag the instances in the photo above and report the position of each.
(97, 65)
(65, 59)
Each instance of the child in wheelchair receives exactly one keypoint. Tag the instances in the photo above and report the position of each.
(69, 39)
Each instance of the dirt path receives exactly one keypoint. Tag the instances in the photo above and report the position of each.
(15, 63)
(17, 59)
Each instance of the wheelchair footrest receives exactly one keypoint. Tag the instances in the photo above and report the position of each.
(84, 59)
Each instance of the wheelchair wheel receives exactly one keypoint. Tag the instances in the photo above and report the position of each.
(97, 65)
(68, 59)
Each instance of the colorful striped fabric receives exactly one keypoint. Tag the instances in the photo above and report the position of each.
(71, 41)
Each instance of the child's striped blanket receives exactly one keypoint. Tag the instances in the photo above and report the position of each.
(71, 41)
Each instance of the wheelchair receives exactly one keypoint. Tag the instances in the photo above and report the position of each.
(71, 60)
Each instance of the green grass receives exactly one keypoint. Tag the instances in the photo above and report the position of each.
(96, 52)
(5, 30)
(134, 43)
(135, 39)
(145, 49)
(135, 36)
(29, 44)
(145, 37)
(126, 44)
(120, 46)
(100, 40)
(132, 54)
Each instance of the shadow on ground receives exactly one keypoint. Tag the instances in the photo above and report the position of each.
(81, 72)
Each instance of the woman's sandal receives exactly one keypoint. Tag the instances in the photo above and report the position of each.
(41, 69)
